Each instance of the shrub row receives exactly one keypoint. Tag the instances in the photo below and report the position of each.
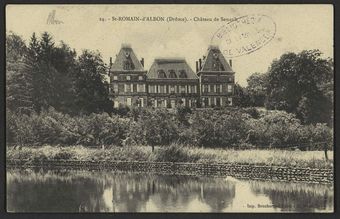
(227, 128)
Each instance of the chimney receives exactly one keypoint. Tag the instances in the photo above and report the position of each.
(110, 62)
(142, 62)
(230, 63)
(196, 66)
(200, 64)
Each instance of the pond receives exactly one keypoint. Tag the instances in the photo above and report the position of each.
(40, 190)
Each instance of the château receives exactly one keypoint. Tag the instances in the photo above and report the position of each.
(170, 81)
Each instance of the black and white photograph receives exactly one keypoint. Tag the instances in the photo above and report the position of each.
(202, 108)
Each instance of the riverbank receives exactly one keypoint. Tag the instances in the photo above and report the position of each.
(240, 171)
(274, 165)
(174, 153)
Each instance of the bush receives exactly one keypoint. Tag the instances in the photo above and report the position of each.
(218, 129)
(226, 128)
(283, 130)
(19, 129)
(154, 127)
(63, 155)
(175, 153)
(102, 129)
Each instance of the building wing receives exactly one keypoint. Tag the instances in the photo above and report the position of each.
(171, 68)
(215, 61)
(127, 60)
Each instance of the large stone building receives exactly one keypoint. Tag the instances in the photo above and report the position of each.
(170, 81)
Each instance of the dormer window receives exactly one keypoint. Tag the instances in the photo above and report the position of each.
(217, 65)
(161, 74)
(183, 74)
(172, 74)
(128, 65)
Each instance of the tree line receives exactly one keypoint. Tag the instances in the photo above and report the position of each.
(296, 83)
(44, 74)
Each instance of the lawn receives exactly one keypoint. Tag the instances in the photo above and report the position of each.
(175, 153)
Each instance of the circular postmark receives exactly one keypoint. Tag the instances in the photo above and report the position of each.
(244, 35)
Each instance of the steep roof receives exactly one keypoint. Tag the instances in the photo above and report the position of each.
(126, 54)
(214, 55)
(168, 65)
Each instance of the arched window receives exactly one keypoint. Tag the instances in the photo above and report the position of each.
(161, 74)
(172, 74)
(128, 65)
(183, 74)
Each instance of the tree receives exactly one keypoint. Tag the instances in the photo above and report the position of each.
(15, 47)
(18, 79)
(257, 89)
(301, 84)
(241, 97)
(91, 93)
(52, 68)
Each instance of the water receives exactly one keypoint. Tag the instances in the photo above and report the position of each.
(85, 191)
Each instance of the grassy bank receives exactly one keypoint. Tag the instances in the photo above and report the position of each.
(174, 153)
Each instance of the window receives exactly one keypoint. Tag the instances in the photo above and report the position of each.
(172, 89)
(218, 101)
(151, 88)
(161, 74)
(141, 88)
(212, 88)
(115, 77)
(182, 89)
(205, 88)
(218, 88)
(230, 79)
(141, 102)
(128, 101)
(127, 88)
(121, 88)
(160, 103)
(206, 102)
(183, 74)
(193, 89)
(172, 74)
(230, 101)
(115, 88)
(134, 87)
(128, 65)
(162, 89)
(128, 77)
(140, 77)
(230, 88)
(183, 101)
(173, 103)
(115, 104)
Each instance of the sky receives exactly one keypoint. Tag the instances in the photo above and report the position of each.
(298, 27)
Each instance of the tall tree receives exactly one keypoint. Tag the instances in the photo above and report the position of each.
(301, 84)
(241, 97)
(18, 79)
(42, 71)
(91, 93)
(64, 61)
(257, 88)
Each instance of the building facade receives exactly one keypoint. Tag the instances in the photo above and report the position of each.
(216, 79)
(170, 81)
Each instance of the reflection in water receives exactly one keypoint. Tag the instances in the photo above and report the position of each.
(86, 191)
(283, 195)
